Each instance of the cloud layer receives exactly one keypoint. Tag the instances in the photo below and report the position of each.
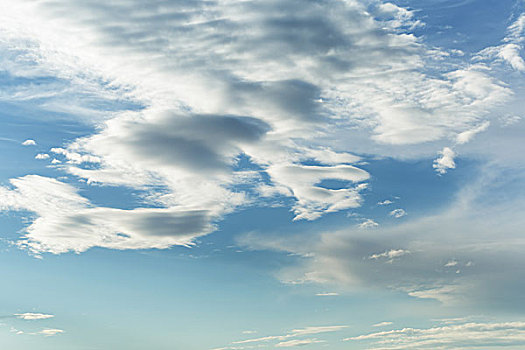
(210, 90)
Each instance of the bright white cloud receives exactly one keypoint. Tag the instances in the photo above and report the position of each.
(451, 263)
(33, 316)
(29, 142)
(390, 254)
(446, 161)
(467, 135)
(50, 332)
(42, 156)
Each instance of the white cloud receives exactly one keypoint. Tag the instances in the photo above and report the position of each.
(467, 135)
(451, 263)
(297, 342)
(49, 332)
(508, 120)
(510, 50)
(465, 335)
(29, 142)
(390, 254)
(42, 156)
(301, 332)
(368, 223)
(398, 213)
(69, 222)
(382, 324)
(327, 294)
(446, 161)
(385, 202)
(446, 294)
(33, 316)
(75, 157)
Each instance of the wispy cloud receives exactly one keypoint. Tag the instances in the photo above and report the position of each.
(292, 338)
(297, 342)
(327, 294)
(471, 335)
(512, 46)
(33, 316)
(50, 332)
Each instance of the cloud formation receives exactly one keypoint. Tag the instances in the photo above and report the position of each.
(465, 335)
(29, 142)
(288, 339)
(33, 316)
(512, 46)
(448, 257)
(210, 90)
(69, 222)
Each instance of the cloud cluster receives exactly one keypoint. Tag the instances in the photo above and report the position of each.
(468, 254)
(211, 90)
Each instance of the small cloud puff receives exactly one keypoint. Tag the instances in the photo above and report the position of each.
(29, 142)
(451, 263)
(398, 213)
(445, 162)
(369, 223)
(42, 156)
(328, 294)
(50, 332)
(391, 254)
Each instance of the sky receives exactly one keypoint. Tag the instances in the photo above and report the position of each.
(230, 175)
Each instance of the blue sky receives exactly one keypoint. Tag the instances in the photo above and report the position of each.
(230, 175)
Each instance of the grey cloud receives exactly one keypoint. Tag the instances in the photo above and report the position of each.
(482, 235)
(172, 224)
(66, 221)
(292, 98)
(201, 143)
